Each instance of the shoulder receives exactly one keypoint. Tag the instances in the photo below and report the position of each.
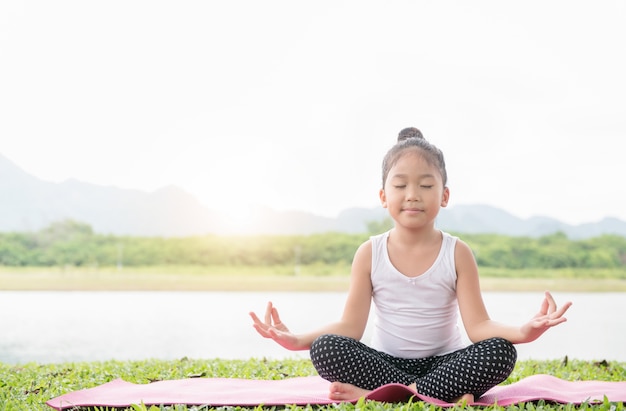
(362, 261)
(376, 243)
(379, 237)
(461, 247)
(362, 267)
(464, 259)
(364, 250)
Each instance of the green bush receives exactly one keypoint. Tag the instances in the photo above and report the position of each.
(70, 243)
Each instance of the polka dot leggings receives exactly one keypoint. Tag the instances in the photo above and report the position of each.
(470, 370)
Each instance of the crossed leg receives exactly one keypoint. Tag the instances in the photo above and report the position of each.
(356, 369)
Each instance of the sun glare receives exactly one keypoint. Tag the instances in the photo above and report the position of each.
(232, 181)
(239, 217)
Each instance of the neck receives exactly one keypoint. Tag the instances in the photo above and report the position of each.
(415, 235)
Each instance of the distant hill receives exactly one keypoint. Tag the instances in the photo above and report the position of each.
(30, 204)
(475, 219)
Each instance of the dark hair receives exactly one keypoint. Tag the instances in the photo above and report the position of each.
(412, 138)
(409, 132)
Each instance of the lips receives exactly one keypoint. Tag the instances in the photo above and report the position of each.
(413, 210)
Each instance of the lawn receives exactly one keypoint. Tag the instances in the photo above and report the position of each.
(29, 386)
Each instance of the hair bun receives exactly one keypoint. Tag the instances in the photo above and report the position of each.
(409, 132)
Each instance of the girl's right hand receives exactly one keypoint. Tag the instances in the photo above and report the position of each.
(273, 328)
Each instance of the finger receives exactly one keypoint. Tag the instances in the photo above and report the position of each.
(551, 302)
(257, 320)
(273, 333)
(556, 321)
(275, 316)
(261, 329)
(254, 317)
(259, 326)
(544, 307)
(561, 311)
(268, 314)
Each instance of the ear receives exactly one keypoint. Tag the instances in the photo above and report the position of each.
(445, 197)
(383, 197)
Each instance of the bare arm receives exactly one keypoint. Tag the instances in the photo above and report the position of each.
(351, 324)
(476, 320)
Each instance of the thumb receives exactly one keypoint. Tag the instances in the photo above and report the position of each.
(273, 332)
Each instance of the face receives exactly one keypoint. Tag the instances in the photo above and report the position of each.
(414, 191)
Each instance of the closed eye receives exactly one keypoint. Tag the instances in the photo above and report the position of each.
(425, 186)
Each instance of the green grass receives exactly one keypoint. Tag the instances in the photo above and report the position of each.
(29, 386)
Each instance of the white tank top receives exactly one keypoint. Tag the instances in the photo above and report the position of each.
(415, 317)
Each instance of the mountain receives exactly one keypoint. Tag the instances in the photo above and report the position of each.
(476, 219)
(30, 204)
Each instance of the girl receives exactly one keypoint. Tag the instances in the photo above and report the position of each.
(420, 279)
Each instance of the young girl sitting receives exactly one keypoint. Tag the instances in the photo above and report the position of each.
(419, 279)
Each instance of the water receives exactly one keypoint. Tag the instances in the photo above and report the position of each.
(50, 327)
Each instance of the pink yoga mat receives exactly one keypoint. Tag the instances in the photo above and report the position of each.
(314, 390)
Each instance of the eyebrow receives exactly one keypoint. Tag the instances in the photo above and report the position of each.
(420, 176)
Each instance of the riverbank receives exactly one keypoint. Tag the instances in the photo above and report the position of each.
(319, 278)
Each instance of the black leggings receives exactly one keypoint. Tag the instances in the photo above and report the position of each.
(470, 370)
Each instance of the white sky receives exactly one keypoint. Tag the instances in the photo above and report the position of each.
(293, 104)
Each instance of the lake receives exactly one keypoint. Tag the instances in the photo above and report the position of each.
(51, 327)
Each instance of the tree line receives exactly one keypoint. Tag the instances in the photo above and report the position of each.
(71, 243)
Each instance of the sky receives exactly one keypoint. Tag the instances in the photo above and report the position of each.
(292, 105)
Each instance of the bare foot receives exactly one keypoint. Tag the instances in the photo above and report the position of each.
(345, 391)
(467, 399)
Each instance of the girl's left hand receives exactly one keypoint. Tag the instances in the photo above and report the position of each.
(547, 317)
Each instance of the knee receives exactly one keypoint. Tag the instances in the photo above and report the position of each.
(320, 350)
(325, 342)
(503, 350)
(319, 345)
(328, 345)
(504, 346)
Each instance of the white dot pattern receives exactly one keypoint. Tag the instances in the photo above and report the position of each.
(470, 370)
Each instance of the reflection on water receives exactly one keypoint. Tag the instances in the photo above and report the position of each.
(51, 327)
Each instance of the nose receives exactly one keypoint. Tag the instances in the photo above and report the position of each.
(412, 193)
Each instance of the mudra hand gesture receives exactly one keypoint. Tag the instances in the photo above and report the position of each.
(547, 317)
(274, 328)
